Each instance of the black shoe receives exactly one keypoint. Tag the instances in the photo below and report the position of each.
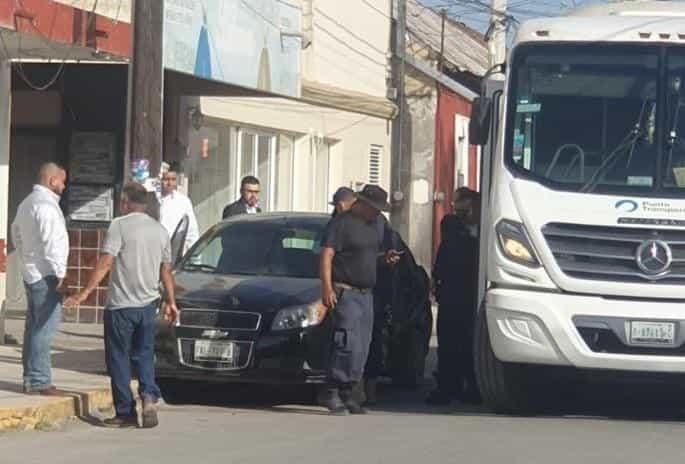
(355, 408)
(121, 422)
(352, 401)
(439, 398)
(331, 399)
(150, 419)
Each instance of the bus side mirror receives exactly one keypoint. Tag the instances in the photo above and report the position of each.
(479, 125)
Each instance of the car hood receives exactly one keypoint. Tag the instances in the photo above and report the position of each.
(235, 292)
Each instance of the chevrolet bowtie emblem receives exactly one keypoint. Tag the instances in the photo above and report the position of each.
(214, 333)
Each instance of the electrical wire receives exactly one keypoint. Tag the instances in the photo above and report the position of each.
(18, 66)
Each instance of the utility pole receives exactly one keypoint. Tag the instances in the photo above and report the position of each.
(441, 63)
(146, 88)
(497, 37)
(400, 162)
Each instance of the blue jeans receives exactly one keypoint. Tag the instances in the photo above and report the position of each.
(352, 321)
(130, 340)
(42, 318)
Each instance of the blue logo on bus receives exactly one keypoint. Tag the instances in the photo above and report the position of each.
(626, 206)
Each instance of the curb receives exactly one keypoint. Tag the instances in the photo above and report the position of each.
(73, 404)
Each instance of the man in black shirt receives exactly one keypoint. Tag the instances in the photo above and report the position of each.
(455, 275)
(349, 251)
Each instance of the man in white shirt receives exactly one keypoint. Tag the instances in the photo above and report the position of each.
(173, 205)
(40, 236)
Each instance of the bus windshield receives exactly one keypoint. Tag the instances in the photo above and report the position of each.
(598, 118)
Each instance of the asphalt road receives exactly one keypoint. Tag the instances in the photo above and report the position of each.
(634, 427)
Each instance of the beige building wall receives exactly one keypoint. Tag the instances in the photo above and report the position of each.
(118, 10)
(350, 43)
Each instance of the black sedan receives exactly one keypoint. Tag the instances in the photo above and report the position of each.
(250, 310)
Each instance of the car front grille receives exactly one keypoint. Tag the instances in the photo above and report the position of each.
(217, 319)
(609, 253)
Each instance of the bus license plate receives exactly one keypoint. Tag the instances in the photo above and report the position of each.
(652, 333)
(207, 350)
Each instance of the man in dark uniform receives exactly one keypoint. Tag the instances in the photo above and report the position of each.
(455, 275)
(349, 250)
(248, 203)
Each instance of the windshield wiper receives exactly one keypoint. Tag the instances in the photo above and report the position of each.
(199, 267)
(628, 141)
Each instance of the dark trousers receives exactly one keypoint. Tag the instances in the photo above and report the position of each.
(455, 350)
(130, 340)
(374, 362)
(352, 320)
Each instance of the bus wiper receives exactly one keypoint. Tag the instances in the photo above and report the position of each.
(673, 134)
(629, 141)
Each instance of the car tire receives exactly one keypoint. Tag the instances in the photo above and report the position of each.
(506, 388)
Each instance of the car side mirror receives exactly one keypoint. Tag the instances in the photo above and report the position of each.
(479, 125)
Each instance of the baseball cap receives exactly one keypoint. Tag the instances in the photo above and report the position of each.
(342, 194)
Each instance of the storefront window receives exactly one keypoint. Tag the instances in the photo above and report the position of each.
(208, 168)
(283, 187)
(257, 158)
(319, 169)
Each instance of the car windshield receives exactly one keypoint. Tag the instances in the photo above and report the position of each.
(598, 118)
(280, 248)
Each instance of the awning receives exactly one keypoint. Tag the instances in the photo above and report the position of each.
(326, 95)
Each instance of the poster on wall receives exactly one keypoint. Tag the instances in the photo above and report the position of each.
(91, 157)
(207, 38)
(91, 203)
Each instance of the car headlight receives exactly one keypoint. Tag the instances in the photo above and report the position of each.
(514, 243)
(299, 317)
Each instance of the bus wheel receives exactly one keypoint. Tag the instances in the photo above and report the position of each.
(505, 387)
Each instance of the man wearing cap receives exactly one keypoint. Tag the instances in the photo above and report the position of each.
(349, 250)
(343, 199)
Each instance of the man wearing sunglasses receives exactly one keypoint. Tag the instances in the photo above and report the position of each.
(249, 199)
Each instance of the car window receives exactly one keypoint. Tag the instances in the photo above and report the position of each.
(260, 248)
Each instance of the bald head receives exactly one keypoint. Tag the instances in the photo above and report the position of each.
(52, 176)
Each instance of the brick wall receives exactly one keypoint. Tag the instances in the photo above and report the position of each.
(84, 253)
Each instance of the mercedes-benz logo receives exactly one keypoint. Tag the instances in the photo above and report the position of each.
(654, 257)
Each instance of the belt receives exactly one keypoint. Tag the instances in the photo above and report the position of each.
(352, 288)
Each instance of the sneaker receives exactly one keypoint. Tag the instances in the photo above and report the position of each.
(331, 399)
(150, 418)
(121, 422)
(351, 401)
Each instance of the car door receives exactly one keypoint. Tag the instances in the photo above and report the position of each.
(178, 240)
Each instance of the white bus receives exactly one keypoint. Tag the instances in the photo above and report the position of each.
(583, 227)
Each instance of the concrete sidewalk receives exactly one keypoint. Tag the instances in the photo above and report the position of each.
(78, 361)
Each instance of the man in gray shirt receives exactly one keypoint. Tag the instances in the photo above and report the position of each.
(137, 253)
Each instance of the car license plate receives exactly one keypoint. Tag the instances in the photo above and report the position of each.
(652, 333)
(208, 350)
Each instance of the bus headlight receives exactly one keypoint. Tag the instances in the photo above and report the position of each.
(514, 243)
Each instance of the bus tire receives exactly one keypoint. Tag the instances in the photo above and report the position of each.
(504, 387)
